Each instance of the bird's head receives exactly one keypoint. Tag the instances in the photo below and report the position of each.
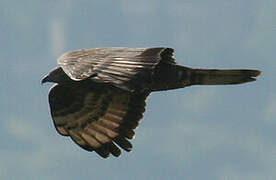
(57, 75)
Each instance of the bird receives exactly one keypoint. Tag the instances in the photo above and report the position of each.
(99, 95)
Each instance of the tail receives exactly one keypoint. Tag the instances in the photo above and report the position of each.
(222, 77)
(167, 76)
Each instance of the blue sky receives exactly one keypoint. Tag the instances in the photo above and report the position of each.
(200, 132)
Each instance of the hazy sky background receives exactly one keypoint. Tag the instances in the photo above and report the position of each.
(210, 132)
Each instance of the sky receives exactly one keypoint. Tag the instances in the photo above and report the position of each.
(199, 132)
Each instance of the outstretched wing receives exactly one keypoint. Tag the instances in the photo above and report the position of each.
(97, 118)
(127, 68)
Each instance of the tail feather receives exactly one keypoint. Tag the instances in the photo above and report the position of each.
(222, 77)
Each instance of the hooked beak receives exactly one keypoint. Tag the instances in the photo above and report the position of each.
(45, 79)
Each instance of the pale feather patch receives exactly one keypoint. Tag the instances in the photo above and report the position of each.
(90, 140)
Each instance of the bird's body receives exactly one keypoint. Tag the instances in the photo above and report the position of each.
(100, 94)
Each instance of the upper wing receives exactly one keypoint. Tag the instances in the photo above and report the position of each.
(95, 118)
(127, 68)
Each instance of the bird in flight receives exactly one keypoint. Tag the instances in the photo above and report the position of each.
(99, 94)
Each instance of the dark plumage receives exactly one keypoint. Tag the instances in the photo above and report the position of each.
(100, 94)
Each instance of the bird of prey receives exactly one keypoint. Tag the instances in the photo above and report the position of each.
(99, 96)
